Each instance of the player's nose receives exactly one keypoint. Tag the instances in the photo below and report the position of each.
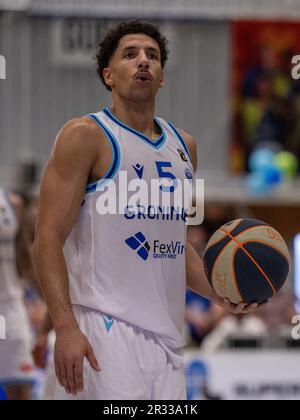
(143, 60)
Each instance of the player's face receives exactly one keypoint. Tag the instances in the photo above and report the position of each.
(135, 71)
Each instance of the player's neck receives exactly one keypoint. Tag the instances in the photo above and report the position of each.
(136, 116)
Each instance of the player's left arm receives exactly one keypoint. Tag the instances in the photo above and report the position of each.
(197, 279)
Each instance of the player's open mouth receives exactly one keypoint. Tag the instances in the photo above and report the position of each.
(144, 77)
(144, 81)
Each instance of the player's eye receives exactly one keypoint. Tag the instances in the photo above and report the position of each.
(153, 57)
(129, 55)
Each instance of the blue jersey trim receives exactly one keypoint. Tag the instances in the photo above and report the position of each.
(156, 144)
(115, 162)
(181, 139)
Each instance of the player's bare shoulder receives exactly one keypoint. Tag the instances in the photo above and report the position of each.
(82, 147)
(79, 137)
(192, 145)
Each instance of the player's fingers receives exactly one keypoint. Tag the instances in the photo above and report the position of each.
(240, 308)
(64, 377)
(58, 374)
(252, 307)
(227, 303)
(78, 370)
(71, 378)
(92, 359)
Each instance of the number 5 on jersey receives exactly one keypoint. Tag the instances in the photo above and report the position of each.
(161, 166)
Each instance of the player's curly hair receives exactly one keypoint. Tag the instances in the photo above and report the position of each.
(108, 46)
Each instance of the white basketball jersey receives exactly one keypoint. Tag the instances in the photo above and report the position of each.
(10, 287)
(132, 266)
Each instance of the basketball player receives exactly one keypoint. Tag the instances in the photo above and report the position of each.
(115, 284)
(16, 366)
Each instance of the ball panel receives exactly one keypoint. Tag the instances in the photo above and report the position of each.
(223, 274)
(229, 227)
(273, 263)
(221, 234)
(211, 255)
(268, 236)
(217, 237)
(252, 283)
(246, 224)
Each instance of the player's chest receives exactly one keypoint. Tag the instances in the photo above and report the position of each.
(145, 162)
(136, 159)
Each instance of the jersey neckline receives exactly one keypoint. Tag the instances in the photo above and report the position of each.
(157, 144)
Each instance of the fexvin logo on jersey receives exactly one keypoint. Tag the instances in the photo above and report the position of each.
(168, 251)
(161, 250)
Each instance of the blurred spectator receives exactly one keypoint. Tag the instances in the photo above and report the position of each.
(16, 370)
(202, 316)
(267, 64)
(266, 103)
(234, 328)
(279, 311)
(262, 116)
(267, 326)
(282, 81)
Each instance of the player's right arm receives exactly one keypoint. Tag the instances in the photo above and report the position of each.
(62, 192)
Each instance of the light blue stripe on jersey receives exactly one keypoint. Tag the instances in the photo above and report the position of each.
(181, 139)
(115, 161)
(156, 144)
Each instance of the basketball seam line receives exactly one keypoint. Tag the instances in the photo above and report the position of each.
(253, 260)
(235, 278)
(220, 240)
(257, 241)
(264, 243)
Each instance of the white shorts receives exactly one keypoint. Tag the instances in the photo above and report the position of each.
(16, 364)
(133, 364)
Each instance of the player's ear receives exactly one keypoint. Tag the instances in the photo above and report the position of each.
(107, 74)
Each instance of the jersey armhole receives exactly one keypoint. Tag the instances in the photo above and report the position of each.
(181, 140)
(114, 167)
